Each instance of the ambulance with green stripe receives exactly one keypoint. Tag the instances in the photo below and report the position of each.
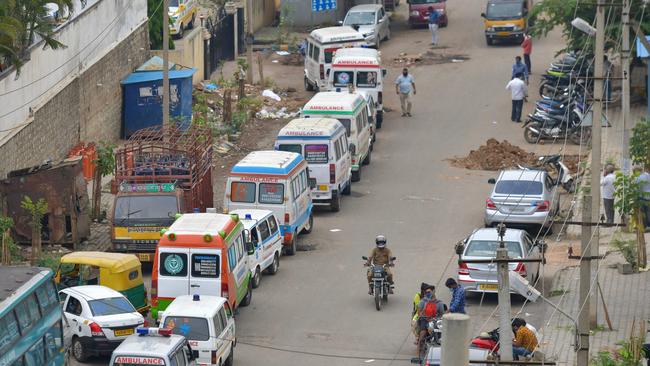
(351, 110)
(204, 254)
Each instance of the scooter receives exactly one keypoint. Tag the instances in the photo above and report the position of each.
(564, 176)
(380, 285)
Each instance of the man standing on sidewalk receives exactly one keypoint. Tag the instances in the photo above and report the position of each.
(404, 86)
(519, 68)
(607, 191)
(519, 92)
(433, 25)
(527, 47)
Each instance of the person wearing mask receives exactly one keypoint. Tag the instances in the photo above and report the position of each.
(429, 308)
(527, 48)
(433, 25)
(525, 341)
(518, 92)
(380, 256)
(519, 68)
(457, 303)
(644, 184)
(416, 301)
(404, 87)
(607, 192)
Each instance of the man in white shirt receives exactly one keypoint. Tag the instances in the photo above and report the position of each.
(607, 191)
(519, 92)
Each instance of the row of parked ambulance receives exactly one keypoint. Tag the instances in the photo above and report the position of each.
(207, 264)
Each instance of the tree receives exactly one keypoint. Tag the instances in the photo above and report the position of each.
(640, 143)
(628, 200)
(155, 25)
(104, 165)
(5, 224)
(9, 30)
(36, 211)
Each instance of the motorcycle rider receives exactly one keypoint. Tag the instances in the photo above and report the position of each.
(380, 256)
(429, 308)
(414, 313)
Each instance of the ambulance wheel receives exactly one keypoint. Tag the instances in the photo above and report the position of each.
(257, 277)
(273, 268)
(249, 295)
(308, 86)
(356, 176)
(291, 248)
(366, 161)
(181, 29)
(231, 357)
(348, 188)
(335, 203)
(380, 119)
(192, 22)
(79, 350)
(310, 224)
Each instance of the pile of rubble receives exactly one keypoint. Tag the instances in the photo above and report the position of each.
(428, 58)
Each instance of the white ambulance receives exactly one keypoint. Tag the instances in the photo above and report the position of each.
(323, 143)
(153, 346)
(319, 52)
(361, 68)
(351, 110)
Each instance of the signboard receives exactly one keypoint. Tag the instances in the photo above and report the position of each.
(322, 5)
(140, 360)
(147, 187)
(205, 265)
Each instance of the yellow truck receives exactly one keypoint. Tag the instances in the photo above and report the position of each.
(506, 20)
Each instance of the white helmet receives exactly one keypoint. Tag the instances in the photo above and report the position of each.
(380, 240)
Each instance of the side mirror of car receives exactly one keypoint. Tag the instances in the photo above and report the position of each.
(312, 183)
(492, 181)
(460, 247)
(482, 15)
(250, 247)
(364, 258)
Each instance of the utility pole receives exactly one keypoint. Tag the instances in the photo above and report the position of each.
(625, 79)
(596, 141)
(456, 328)
(165, 110)
(505, 325)
(249, 42)
(585, 283)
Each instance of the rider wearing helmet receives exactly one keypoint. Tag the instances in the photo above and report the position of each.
(380, 256)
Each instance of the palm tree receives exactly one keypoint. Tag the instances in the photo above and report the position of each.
(9, 29)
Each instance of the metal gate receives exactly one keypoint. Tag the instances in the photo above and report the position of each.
(220, 47)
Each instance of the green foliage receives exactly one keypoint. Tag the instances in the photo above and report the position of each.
(285, 24)
(239, 118)
(627, 247)
(14, 250)
(640, 143)
(5, 223)
(49, 260)
(105, 161)
(630, 353)
(156, 25)
(36, 211)
(628, 193)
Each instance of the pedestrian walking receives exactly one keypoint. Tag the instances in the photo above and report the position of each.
(519, 68)
(433, 25)
(457, 303)
(519, 92)
(527, 48)
(404, 87)
(644, 182)
(607, 192)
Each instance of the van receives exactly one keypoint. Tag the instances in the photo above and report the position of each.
(323, 143)
(419, 12)
(505, 20)
(208, 325)
(205, 254)
(319, 52)
(351, 110)
(361, 68)
(277, 181)
(182, 15)
(265, 235)
(153, 346)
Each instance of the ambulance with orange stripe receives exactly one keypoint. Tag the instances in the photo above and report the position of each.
(277, 181)
(204, 254)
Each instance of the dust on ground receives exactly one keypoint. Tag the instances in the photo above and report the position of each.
(495, 155)
(438, 55)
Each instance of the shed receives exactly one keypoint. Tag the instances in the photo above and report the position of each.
(142, 98)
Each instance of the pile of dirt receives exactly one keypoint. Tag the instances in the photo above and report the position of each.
(431, 57)
(294, 59)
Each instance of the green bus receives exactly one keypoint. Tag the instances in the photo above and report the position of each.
(31, 320)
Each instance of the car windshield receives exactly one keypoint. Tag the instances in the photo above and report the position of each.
(360, 18)
(488, 248)
(504, 10)
(110, 306)
(194, 329)
(420, 2)
(146, 207)
(295, 148)
(173, 3)
(519, 187)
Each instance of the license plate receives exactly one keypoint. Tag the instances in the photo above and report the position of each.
(144, 257)
(489, 287)
(503, 34)
(123, 332)
(323, 187)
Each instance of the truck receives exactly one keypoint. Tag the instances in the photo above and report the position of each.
(160, 172)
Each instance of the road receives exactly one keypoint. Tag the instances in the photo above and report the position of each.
(316, 310)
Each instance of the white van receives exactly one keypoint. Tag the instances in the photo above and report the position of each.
(319, 51)
(265, 235)
(207, 323)
(360, 67)
(323, 143)
(182, 14)
(351, 110)
(153, 346)
(277, 181)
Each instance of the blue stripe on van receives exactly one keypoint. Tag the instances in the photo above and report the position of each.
(301, 220)
(268, 169)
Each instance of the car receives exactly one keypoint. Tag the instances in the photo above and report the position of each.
(483, 244)
(99, 318)
(524, 197)
(371, 20)
(419, 12)
(434, 356)
(154, 346)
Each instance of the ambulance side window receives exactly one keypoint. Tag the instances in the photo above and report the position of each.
(310, 49)
(273, 224)
(232, 256)
(344, 144)
(264, 230)
(240, 248)
(365, 117)
(316, 53)
(337, 147)
(359, 121)
(303, 179)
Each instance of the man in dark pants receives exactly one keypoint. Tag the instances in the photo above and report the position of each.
(519, 92)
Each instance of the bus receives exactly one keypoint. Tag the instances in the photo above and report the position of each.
(31, 320)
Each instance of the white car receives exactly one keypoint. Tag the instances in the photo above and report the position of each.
(99, 318)
(370, 20)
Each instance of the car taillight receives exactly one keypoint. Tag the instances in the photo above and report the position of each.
(214, 357)
(542, 206)
(463, 269)
(332, 173)
(489, 204)
(322, 71)
(224, 289)
(96, 330)
(287, 218)
(380, 98)
(521, 269)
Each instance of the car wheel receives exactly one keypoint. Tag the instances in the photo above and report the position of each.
(356, 176)
(335, 203)
(257, 277)
(291, 248)
(366, 161)
(308, 86)
(191, 25)
(309, 226)
(348, 188)
(231, 357)
(78, 350)
(489, 41)
(380, 119)
(388, 34)
(273, 269)
(249, 295)
(378, 42)
(180, 31)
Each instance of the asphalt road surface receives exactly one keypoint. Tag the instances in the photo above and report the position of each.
(316, 310)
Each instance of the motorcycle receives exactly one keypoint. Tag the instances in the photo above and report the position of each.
(380, 286)
(432, 338)
(488, 341)
(542, 125)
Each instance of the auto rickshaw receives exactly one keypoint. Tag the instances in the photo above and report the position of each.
(121, 272)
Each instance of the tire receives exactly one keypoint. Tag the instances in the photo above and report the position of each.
(377, 299)
(581, 136)
(192, 22)
(388, 34)
(249, 296)
(308, 86)
(348, 188)
(181, 30)
(356, 176)
(230, 361)
(79, 352)
(366, 161)
(530, 136)
(257, 278)
(489, 41)
(273, 268)
(378, 43)
(291, 248)
(335, 202)
(385, 297)
(310, 225)
(380, 119)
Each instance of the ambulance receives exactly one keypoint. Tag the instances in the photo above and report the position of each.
(351, 110)
(277, 181)
(361, 69)
(324, 144)
(319, 52)
(153, 346)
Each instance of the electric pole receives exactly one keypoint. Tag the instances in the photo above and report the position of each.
(585, 283)
(456, 328)
(165, 110)
(625, 79)
(249, 42)
(505, 325)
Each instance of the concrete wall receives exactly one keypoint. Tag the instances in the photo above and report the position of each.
(87, 107)
(264, 13)
(188, 52)
(304, 17)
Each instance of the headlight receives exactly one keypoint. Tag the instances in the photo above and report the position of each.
(415, 13)
(517, 28)
(370, 33)
(490, 29)
(440, 11)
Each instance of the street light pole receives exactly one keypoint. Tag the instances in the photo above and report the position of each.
(625, 97)
(165, 111)
(249, 42)
(505, 327)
